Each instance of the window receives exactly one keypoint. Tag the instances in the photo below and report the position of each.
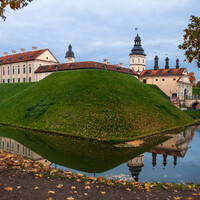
(3, 71)
(143, 60)
(24, 70)
(47, 58)
(3, 80)
(24, 79)
(29, 68)
(18, 68)
(13, 70)
(17, 148)
(8, 80)
(8, 70)
(29, 79)
(133, 60)
(13, 80)
(138, 60)
(8, 146)
(174, 79)
(163, 79)
(12, 146)
(18, 80)
(156, 79)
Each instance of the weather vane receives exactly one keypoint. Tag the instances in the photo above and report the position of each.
(136, 29)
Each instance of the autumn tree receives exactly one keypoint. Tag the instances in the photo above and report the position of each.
(13, 4)
(191, 41)
(198, 84)
(192, 78)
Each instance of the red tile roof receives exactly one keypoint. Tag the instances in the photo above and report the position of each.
(22, 57)
(84, 65)
(163, 72)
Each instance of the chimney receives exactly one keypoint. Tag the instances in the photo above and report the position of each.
(166, 63)
(156, 63)
(177, 63)
(105, 61)
(23, 50)
(121, 64)
(13, 52)
(34, 48)
(5, 54)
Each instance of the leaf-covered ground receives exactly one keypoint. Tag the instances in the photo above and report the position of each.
(96, 104)
(21, 178)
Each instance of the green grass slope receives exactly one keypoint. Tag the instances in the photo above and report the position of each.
(97, 104)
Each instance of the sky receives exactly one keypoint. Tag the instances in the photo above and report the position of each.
(102, 29)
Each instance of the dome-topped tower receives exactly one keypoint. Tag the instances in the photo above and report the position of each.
(137, 56)
(69, 57)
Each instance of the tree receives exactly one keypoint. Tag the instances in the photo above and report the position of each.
(191, 41)
(192, 78)
(198, 84)
(13, 4)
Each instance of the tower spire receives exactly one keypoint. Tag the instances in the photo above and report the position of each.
(69, 57)
(137, 55)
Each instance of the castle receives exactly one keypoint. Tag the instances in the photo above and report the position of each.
(37, 64)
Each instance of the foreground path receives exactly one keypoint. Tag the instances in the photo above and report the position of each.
(24, 179)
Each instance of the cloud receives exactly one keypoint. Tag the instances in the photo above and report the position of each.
(100, 29)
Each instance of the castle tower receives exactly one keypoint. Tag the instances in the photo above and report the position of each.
(137, 56)
(69, 58)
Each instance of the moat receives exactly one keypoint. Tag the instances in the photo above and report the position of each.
(170, 158)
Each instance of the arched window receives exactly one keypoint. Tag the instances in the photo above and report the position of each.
(143, 60)
(3, 71)
(24, 70)
(8, 70)
(133, 60)
(13, 70)
(138, 60)
(18, 69)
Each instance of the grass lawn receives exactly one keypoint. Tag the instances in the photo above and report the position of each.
(96, 104)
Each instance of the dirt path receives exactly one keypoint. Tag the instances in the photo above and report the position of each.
(27, 186)
(21, 178)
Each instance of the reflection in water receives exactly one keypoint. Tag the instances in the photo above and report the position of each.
(163, 160)
(11, 146)
(176, 146)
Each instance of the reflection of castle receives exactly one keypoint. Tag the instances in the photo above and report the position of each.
(11, 146)
(176, 147)
(135, 166)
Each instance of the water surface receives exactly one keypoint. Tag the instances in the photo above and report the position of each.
(170, 158)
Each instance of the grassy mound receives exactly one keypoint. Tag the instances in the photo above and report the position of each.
(96, 104)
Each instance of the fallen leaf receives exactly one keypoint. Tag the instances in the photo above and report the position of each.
(85, 194)
(36, 188)
(51, 192)
(69, 198)
(59, 186)
(190, 198)
(18, 187)
(128, 189)
(177, 198)
(73, 187)
(87, 187)
(103, 192)
(165, 187)
(8, 189)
